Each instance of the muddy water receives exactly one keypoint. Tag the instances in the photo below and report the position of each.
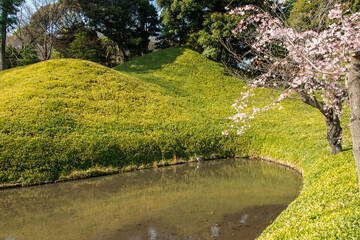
(224, 199)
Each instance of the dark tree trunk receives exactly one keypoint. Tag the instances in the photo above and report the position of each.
(45, 54)
(144, 39)
(126, 58)
(332, 121)
(333, 134)
(3, 47)
(219, 54)
(353, 86)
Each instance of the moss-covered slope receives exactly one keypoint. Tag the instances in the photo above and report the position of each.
(68, 115)
(329, 204)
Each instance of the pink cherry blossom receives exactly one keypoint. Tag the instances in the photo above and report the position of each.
(312, 64)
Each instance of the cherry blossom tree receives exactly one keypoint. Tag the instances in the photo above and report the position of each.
(311, 63)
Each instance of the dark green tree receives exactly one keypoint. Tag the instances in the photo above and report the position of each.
(87, 46)
(197, 23)
(8, 10)
(21, 57)
(12, 57)
(71, 23)
(148, 23)
(217, 27)
(111, 53)
(85, 43)
(64, 39)
(128, 23)
(28, 55)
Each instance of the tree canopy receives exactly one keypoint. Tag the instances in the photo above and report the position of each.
(51, 26)
(128, 23)
(198, 24)
(311, 63)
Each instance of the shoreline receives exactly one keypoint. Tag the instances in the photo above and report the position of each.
(106, 171)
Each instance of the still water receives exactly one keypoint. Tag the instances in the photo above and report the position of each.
(223, 199)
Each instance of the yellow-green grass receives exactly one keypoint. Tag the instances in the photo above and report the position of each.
(62, 116)
(329, 204)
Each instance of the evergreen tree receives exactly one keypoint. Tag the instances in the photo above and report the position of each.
(8, 10)
(197, 24)
(87, 46)
(128, 23)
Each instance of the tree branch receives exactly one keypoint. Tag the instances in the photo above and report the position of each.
(356, 54)
(311, 101)
(309, 61)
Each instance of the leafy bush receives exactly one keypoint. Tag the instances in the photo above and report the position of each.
(21, 57)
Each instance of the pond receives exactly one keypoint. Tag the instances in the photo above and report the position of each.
(223, 199)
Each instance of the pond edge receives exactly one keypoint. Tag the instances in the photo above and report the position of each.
(106, 171)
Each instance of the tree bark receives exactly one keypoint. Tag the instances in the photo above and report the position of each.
(333, 134)
(219, 54)
(3, 47)
(332, 121)
(353, 85)
(126, 58)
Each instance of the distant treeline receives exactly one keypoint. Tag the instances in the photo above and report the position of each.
(111, 32)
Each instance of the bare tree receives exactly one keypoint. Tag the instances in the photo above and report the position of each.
(39, 22)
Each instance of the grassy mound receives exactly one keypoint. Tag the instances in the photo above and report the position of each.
(64, 117)
(329, 204)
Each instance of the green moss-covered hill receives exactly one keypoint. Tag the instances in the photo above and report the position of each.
(62, 116)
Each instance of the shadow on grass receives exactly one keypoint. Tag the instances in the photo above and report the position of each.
(144, 66)
(347, 149)
(151, 62)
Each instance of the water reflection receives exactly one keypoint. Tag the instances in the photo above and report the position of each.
(201, 201)
(152, 234)
(214, 231)
(244, 218)
(197, 167)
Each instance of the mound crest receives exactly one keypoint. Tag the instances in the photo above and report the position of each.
(68, 115)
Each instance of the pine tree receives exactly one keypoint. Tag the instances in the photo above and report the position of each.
(128, 23)
(8, 10)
